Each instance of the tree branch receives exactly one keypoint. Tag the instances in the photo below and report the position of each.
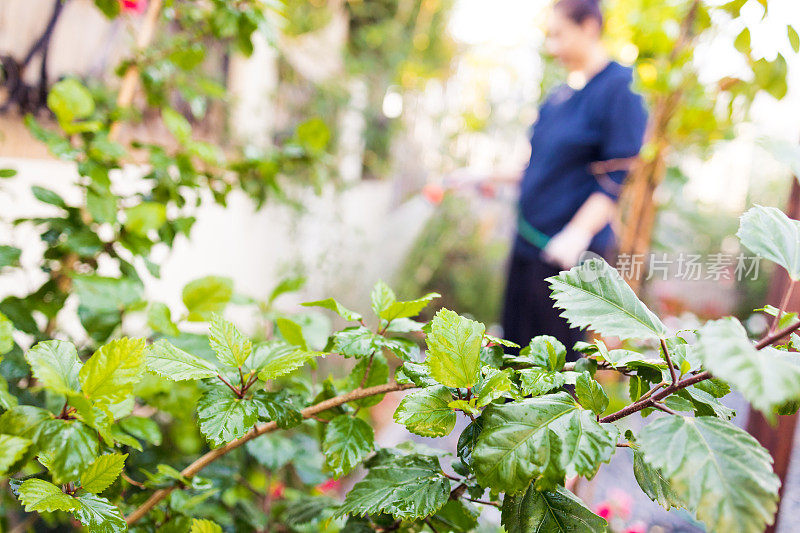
(208, 458)
(670, 364)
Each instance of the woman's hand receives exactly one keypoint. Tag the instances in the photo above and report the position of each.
(566, 247)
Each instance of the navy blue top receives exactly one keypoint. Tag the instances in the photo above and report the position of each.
(604, 120)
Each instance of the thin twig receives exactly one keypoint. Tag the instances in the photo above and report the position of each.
(208, 458)
(484, 502)
(669, 362)
(782, 308)
(662, 407)
(236, 391)
(428, 522)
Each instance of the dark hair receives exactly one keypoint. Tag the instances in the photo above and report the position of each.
(579, 11)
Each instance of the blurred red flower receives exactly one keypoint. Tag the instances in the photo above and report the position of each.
(133, 6)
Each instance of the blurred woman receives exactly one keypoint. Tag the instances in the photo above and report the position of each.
(587, 131)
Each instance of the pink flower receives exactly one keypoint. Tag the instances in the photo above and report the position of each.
(638, 527)
(276, 490)
(133, 6)
(332, 485)
(604, 510)
(622, 502)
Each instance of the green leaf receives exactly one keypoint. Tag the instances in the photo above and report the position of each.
(106, 294)
(382, 297)
(206, 296)
(276, 359)
(454, 349)
(425, 412)
(232, 348)
(407, 309)
(6, 335)
(546, 351)
(56, 365)
(159, 318)
(42, 496)
(767, 378)
(11, 450)
(768, 232)
(590, 394)
(47, 196)
(110, 8)
(502, 342)
(513, 447)
(493, 385)
(102, 472)
(113, 370)
(456, 516)
(9, 255)
(176, 124)
(537, 381)
(406, 487)
(223, 417)
(336, 307)
(654, 484)
(290, 284)
(291, 332)
(794, 39)
(169, 361)
(348, 440)
(356, 342)
(145, 217)
(99, 515)
(468, 406)
(717, 469)
(69, 100)
(468, 440)
(742, 41)
(205, 526)
(142, 428)
(558, 511)
(67, 448)
(378, 375)
(7, 173)
(277, 406)
(594, 295)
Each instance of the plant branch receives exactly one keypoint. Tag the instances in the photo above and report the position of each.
(484, 502)
(662, 407)
(782, 308)
(208, 458)
(670, 364)
(236, 391)
(773, 337)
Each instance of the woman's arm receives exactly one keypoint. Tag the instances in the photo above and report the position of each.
(566, 246)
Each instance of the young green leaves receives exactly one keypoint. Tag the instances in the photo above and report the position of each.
(593, 295)
(454, 349)
(768, 232)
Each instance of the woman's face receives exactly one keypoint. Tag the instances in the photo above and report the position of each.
(568, 41)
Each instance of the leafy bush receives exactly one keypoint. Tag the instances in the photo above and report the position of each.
(72, 427)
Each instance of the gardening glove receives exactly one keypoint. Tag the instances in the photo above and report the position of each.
(566, 247)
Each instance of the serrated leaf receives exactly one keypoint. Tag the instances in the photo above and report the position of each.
(558, 511)
(456, 517)
(454, 349)
(468, 406)
(382, 297)
(406, 487)
(159, 318)
(277, 359)
(307, 510)
(767, 378)
(407, 309)
(502, 342)
(11, 450)
(56, 365)
(205, 296)
(468, 440)
(545, 351)
(593, 295)
(347, 442)
(336, 307)
(67, 447)
(719, 471)
(537, 381)
(768, 232)
(43, 496)
(494, 384)
(169, 361)
(512, 448)
(277, 406)
(102, 472)
(204, 526)
(356, 342)
(113, 370)
(223, 417)
(232, 348)
(590, 394)
(99, 515)
(654, 484)
(426, 412)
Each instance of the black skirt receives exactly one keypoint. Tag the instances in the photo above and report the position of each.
(528, 309)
